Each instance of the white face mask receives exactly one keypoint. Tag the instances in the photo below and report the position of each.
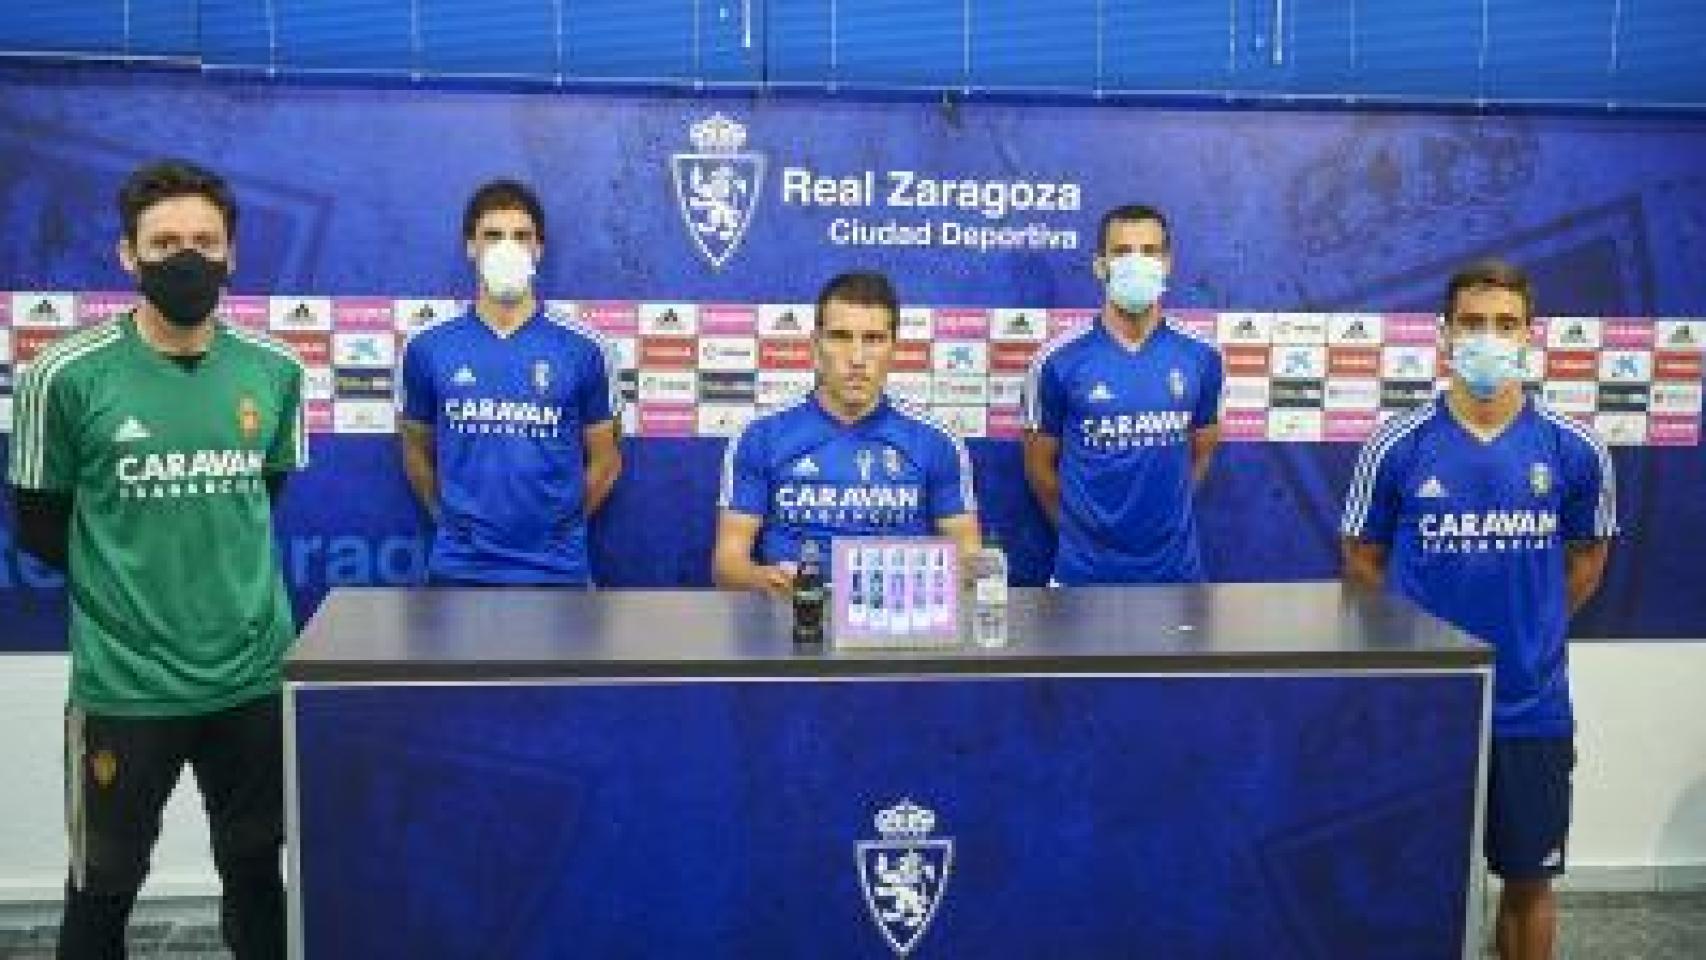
(506, 270)
(1486, 362)
(1136, 281)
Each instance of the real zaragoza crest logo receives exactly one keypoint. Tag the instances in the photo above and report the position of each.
(905, 873)
(717, 187)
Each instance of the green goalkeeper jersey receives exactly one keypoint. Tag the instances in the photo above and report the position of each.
(177, 604)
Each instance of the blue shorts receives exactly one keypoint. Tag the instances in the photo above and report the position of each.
(1528, 806)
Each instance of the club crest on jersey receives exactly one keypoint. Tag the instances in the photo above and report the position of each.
(905, 874)
(248, 418)
(1176, 383)
(891, 462)
(542, 376)
(1540, 478)
(864, 458)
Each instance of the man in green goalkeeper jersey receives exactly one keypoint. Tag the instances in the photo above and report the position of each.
(147, 454)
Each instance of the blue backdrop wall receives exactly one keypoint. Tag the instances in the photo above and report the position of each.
(358, 192)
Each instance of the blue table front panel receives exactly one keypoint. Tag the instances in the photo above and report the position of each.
(1194, 816)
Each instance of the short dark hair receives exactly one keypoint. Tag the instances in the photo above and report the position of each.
(503, 195)
(164, 180)
(1490, 272)
(865, 288)
(1132, 213)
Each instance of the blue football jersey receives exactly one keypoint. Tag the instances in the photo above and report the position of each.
(507, 415)
(894, 472)
(1124, 419)
(1476, 532)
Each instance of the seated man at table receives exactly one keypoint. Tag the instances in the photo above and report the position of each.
(842, 460)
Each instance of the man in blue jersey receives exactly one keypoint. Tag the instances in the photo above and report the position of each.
(508, 415)
(1495, 514)
(842, 460)
(1121, 419)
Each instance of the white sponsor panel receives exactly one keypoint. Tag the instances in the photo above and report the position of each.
(364, 349)
(1574, 333)
(776, 387)
(299, 313)
(917, 323)
(914, 388)
(411, 315)
(1678, 333)
(1621, 429)
(669, 319)
(626, 351)
(1409, 362)
(792, 321)
(724, 419)
(959, 356)
(1247, 393)
(1021, 326)
(364, 416)
(1300, 328)
(1356, 394)
(1295, 425)
(1006, 390)
(668, 386)
(1626, 366)
(1299, 362)
(728, 353)
(963, 421)
(316, 383)
(1355, 329)
(53, 311)
(960, 388)
(1245, 327)
(1571, 396)
(1675, 397)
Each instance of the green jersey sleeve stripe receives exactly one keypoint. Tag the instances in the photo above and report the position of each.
(30, 434)
(36, 400)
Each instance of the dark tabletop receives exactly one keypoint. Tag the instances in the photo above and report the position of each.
(509, 633)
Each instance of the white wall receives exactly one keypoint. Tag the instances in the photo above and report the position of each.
(1640, 785)
(32, 825)
(1640, 813)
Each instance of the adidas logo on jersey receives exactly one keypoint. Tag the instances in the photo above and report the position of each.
(1100, 393)
(1553, 859)
(464, 377)
(130, 431)
(805, 467)
(1431, 489)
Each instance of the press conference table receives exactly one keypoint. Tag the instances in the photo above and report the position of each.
(1272, 770)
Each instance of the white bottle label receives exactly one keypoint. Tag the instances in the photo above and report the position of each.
(857, 588)
(899, 592)
(941, 591)
(918, 571)
(876, 589)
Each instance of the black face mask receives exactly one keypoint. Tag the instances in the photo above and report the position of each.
(184, 287)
